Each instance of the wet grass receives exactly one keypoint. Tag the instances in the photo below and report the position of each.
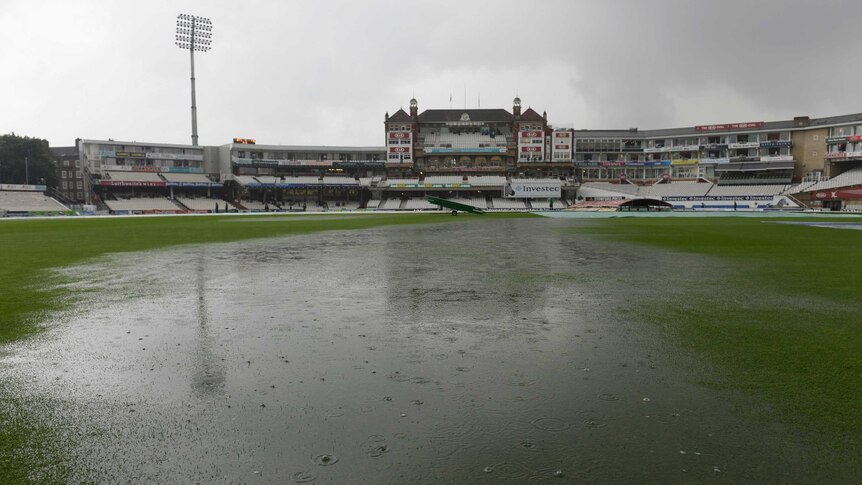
(30, 248)
(781, 319)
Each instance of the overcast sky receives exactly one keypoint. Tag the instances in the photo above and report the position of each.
(325, 72)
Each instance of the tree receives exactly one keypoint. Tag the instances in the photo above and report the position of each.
(20, 155)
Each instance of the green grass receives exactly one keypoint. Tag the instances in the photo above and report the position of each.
(30, 248)
(784, 323)
(783, 320)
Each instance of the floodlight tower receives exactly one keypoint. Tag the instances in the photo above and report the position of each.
(195, 34)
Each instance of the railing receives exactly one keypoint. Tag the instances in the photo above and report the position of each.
(51, 191)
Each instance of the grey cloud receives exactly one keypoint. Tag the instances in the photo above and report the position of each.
(325, 72)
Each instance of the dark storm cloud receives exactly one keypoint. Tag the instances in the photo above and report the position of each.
(325, 72)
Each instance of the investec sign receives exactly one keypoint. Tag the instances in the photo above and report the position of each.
(532, 189)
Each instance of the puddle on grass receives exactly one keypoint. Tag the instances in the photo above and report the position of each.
(491, 352)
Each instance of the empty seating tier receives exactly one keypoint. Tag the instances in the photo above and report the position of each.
(501, 203)
(849, 178)
(397, 182)
(419, 204)
(487, 181)
(443, 179)
(134, 177)
(204, 204)
(744, 190)
(675, 189)
(188, 178)
(15, 201)
(143, 204)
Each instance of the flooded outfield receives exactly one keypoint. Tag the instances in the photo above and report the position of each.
(488, 352)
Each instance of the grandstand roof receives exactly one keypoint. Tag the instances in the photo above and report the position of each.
(307, 148)
(400, 116)
(531, 115)
(142, 144)
(454, 115)
(755, 166)
(635, 133)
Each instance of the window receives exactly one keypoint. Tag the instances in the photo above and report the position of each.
(80, 195)
(65, 163)
(77, 164)
(65, 185)
(65, 174)
(80, 185)
(773, 136)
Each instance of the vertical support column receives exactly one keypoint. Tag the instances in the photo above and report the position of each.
(194, 102)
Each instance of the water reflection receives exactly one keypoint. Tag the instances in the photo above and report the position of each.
(493, 352)
(208, 376)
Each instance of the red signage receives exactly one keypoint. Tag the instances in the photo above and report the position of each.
(399, 150)
(561, 147)
(399, 135)
(730, 126)
(854, 193)
(564, 134)
(531, 149)
(531, 134)
(164, 211)
(854, 138)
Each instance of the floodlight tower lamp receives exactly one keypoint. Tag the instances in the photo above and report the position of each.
(194, 34)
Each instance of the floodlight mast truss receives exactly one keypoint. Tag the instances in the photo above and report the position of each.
(195, 34)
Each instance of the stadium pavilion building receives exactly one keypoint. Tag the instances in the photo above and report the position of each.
(495, 159)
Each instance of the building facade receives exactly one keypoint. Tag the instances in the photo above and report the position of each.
(70, 174)
(454, 148)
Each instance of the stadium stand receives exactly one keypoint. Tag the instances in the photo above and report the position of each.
(546, 203)
(187, 178)
(743, 190)
(339, 180)
(390, 204)
(486, 181)
(301, 180)
(443, 179)
(675, 189)
(847, 179)
(134, 176)
(626, 188)
(396, 182)
(419, 204)
(479, 202)
(253, 205)
(204, 203)
(15, 201)
(372, 204)
(800, 187)
(343, 205)
(142, 204)
(501, 203)
(537, 180)
(245, 180)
